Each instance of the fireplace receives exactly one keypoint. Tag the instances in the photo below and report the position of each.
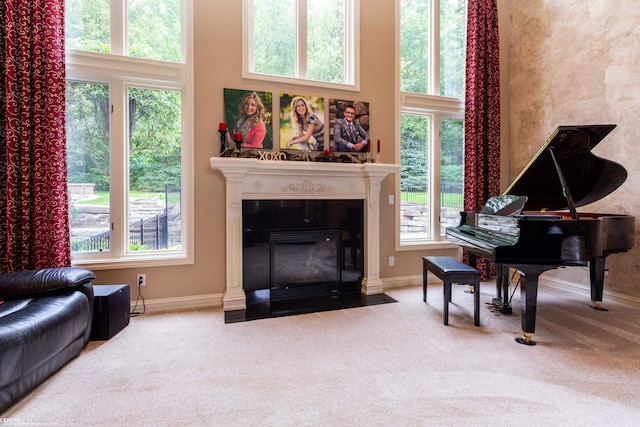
(304, 264)
(302, 248)
(253, 181)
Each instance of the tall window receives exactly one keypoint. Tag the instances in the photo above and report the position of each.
(128, 130)
(432, 57)
(301, 40)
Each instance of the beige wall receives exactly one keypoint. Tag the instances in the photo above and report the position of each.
(564, 62)
(218, 65)
(577, 62)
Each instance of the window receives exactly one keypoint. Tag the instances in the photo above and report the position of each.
(432, 42)
(301, 40)
(129, 131)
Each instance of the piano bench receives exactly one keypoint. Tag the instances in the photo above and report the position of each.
(450, 271)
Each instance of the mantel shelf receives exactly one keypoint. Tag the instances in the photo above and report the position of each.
(229, 165)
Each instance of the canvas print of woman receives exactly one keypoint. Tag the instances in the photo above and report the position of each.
(249, 113)
(301, 122)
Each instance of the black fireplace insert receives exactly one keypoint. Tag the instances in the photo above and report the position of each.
(303, 248)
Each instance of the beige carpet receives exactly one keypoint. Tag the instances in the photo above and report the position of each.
(385, 365)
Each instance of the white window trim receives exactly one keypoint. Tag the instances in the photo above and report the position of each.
(122, 72)
(352, 51)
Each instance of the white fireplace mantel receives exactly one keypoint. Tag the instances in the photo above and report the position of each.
(253, 179)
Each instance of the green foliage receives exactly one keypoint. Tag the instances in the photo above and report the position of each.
(137, 247)
(414, 162)
(274, 39)
(416, 44)
(155, 139)
(326, 41)
(87, 25)
(154, 29)
(88, 133)
(154, 130)
(452, 47)
(451, 153)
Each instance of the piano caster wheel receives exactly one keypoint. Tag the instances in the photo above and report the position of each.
(526, 339)
(598, 306)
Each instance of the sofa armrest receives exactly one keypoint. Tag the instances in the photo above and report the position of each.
(29, 282)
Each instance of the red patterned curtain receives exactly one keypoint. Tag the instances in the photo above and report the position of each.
(34, 214)
(482, 111)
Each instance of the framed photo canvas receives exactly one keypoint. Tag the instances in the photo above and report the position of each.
(302, 122)
(250, 113)
(349, 125)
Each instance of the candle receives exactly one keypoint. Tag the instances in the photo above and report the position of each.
(237, 137)
(368, 146)
(222, 126)
(378, 146)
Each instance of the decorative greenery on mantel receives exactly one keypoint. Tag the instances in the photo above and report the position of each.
(297, 155)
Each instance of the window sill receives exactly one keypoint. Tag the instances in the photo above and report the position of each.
(424, 245)
(111, 263)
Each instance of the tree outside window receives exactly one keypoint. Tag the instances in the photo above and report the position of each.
(126, 139)
(432, 40)
(303, 40)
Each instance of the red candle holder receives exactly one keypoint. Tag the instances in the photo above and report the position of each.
(222, 129)
(237, 139)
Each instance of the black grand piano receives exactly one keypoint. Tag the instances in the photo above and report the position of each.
(534, 226)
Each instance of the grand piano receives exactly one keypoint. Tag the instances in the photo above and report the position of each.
(535, 227)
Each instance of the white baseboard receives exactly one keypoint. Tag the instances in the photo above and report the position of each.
(179, 303)
(398, 282)
(578, 288)
(215, 300)
(585, 290)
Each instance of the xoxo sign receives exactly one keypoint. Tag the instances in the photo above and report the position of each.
(271, 155)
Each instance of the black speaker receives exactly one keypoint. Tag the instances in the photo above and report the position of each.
(110, 310)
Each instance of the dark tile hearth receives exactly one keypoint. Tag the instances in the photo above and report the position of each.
(259, 305)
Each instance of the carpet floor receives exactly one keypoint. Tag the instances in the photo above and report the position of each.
(379, 365)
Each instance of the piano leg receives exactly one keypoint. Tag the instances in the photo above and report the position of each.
(502, 289)
(529, 298)
(596, 276)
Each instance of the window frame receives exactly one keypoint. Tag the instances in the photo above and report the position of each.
(121, 73)
(352, 49)
(438, 108)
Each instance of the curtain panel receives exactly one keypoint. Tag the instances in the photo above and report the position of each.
(482, 111)
(34, 211)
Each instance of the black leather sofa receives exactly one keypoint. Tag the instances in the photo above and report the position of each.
(45, 321)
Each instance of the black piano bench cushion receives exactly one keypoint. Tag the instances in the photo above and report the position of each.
(450, 271)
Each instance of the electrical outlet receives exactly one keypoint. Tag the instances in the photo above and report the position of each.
(142, 279)
(392, 261)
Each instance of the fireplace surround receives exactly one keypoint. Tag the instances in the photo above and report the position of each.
(254, 179)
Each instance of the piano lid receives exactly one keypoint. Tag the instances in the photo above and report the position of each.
(588, 177)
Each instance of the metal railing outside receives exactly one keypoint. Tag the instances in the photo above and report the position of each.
(415, 191)
(151, 233)
(144, 234)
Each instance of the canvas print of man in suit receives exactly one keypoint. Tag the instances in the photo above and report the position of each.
(349, 133)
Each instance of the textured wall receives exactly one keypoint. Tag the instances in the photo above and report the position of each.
(578, 62)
